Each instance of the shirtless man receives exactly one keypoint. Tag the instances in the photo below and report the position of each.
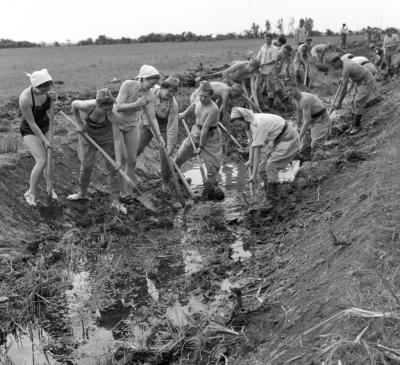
(224, 95)
(366, 86)
(241, 71)
(267, 58)
(312, 121)
(301, 59)
(363, 61)
(318, 51)
(205, 133)
(283, 60)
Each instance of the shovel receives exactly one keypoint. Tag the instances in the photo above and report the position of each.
(49, 166)
(198, 158)
(168, 159)
(52, 209)
(145, 201)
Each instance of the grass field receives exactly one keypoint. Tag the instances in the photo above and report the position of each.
(90, 67)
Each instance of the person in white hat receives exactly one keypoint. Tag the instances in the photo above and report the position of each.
(281, 144)
(135, 98)
(97, 118)
(37, 108)
(166, 110)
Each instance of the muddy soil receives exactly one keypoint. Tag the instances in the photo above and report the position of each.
(222, 283)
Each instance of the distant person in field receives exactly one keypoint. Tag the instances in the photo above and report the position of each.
(283, 60)
(267, 58)
(135, 97)
(300, 33)
(312, 122)
(366, 87)
(319, 51)
(343, 36)
(100, 122)
(205, 133)
(301, 59)
(390, 46)
(273, 137)
(241, 72)
(224, 96)
(37, 108)
(166, 110)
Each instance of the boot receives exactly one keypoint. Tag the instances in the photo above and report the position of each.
(356, 124)
(271, 193)
(270, 103)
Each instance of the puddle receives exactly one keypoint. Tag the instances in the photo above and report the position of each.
(236, 175)
(238, 251)
(27, 350)
(192, 260)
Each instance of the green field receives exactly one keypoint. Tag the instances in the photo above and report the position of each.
(81, 67)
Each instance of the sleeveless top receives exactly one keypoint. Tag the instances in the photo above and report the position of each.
(162, 110)
(39, 115)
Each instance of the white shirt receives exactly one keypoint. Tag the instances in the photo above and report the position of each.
(266, 55)
(300, 35)
(265, 128)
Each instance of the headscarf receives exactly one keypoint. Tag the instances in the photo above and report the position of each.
(147, 71)
(242, 113)
(39, 77)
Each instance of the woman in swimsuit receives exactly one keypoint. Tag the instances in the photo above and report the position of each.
(37, 107)
(135, 98)
(100, 123)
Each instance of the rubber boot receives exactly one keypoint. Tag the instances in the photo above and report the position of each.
(356, 124)
(271, 193)
(270, 103)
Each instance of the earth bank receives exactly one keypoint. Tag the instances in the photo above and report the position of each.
(216, 283)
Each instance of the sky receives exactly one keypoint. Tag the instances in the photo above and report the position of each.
(51, 20)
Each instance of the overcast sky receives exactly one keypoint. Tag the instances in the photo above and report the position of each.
(50, 20)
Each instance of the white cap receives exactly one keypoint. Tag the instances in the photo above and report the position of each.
(147, 71)
(39, 77)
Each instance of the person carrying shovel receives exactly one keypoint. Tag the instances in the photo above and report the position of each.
(312, 122)
(207, 138)
(101, 124)
(37, 108)
(135, 98)
(301, 60)
(225, 96)
(366, 87)
(281, 142)
(166, 112)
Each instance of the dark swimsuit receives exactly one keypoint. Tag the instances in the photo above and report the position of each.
(39, 115)
(101, 132)
(162, 113)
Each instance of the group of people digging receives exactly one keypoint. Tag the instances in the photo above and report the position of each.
(146, 107)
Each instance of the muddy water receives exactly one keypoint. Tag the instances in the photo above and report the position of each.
(107, 284)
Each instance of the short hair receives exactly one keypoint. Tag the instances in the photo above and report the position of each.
(282, 39)
(288, 47)
(268, 35)
(335, 59)
(291, 83)
(308, 39)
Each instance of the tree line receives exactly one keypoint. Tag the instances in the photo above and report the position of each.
(254, 32)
